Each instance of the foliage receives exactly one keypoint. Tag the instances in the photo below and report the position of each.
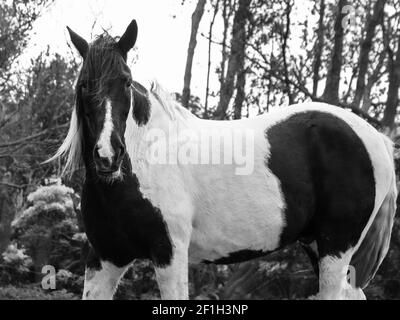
(15, 265)
(48, 226)
(33, 292)
(16, 20)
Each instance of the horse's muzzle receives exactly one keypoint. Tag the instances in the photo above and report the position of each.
(107, 167)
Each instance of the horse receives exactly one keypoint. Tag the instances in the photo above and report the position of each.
(164, 185)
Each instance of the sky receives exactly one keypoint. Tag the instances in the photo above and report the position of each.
(164, 30)
(163, 37)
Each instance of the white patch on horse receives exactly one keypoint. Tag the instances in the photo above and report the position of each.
(173, 280)
(104, 144)
(334, 279)
(101, 284)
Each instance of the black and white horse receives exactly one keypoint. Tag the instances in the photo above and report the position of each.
(164, 185)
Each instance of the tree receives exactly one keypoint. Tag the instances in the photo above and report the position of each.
(236, 57)
(196, 18)
(216, 6)
(16, 21)
(393, 93)
(37, 123)
(47, 227)
(319, 45)
(370, 25)
(331, 92)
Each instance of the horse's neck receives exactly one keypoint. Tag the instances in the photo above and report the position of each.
(140, 142)
(163, 118)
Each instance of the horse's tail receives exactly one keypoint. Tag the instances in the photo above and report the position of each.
(375, 245)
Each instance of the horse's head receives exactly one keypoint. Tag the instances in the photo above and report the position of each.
(103, 99)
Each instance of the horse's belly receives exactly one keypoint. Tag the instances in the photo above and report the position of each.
(238, 220)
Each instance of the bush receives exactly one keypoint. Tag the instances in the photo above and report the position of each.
(34, 292)
(49, 231)
(15, 265)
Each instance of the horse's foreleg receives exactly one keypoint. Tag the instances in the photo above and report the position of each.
(101, 280)
(173, 279)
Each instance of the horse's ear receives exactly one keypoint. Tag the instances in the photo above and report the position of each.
(80, 44)
(128, 39)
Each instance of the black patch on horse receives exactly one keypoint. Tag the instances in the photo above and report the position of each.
(326, 177)
(121, 224)
(141, 103)
(102, 66)
(93, 261)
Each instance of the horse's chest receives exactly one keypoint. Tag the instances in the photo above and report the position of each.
(122, 226)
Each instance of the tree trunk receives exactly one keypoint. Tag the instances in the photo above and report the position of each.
(241, 78)
(7, 213)
(205, 114)
(318, 47)
(366, 44)
(196, 18)
(331, 92)
(393, 96)
(237, 43)
(240, 91)
(366, 102)
(8, 209)
(285, 38)
(225, 16)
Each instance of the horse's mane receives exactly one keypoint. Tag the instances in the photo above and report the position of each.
(171, 106)
(71, 148)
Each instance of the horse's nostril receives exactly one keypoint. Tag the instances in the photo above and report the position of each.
(105, 162)
(121, 151)
(96, 153)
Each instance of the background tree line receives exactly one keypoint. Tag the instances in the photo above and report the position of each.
(272, 54)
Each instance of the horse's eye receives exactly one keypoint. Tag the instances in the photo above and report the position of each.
(128, 83)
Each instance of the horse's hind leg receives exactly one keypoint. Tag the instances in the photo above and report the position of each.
(337, 278)
(101, 279)
(333, 276)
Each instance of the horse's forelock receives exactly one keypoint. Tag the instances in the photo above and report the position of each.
(103, 63)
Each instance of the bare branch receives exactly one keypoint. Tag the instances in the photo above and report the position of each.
(32, 137)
